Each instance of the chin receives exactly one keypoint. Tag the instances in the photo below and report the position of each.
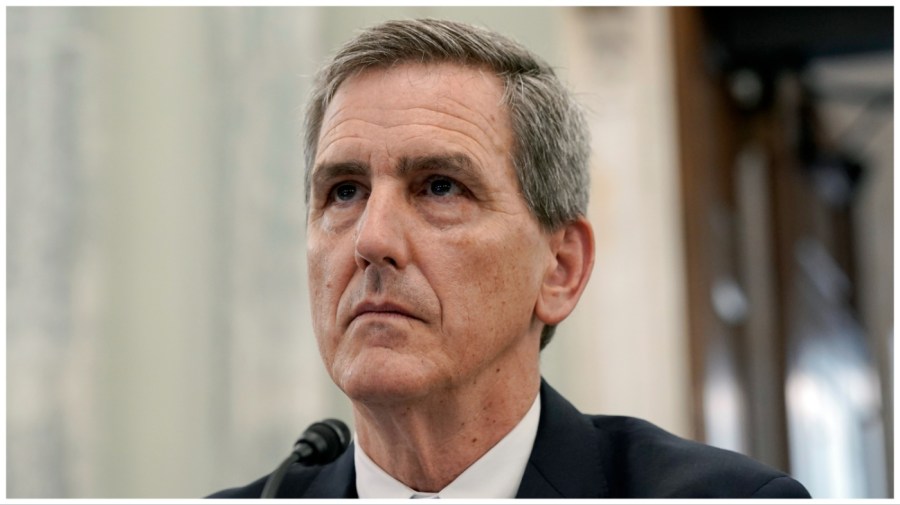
(384, 376)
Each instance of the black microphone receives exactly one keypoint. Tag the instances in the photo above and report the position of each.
(321, 443)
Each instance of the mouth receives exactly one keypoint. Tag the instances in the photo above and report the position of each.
(384, 310)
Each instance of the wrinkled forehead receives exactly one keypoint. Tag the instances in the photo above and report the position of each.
(453, 88)
(480, 73)
(448, 98)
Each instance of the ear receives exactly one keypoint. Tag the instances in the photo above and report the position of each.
(567, 274)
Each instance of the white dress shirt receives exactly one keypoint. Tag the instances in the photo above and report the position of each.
(496, 474)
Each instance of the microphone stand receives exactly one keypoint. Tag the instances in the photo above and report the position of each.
(321, 443)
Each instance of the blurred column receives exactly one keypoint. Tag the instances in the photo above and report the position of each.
(264, 355)
(624, 349)
(48, 168)
(153, 369)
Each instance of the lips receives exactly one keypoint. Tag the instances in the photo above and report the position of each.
(383, 308)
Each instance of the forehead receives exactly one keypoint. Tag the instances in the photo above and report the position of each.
(446, 98)
(441, 78)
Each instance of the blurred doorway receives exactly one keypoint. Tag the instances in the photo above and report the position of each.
(786, 128)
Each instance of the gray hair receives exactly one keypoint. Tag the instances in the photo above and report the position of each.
(551, 148)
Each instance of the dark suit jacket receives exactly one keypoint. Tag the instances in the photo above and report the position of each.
(579, 456)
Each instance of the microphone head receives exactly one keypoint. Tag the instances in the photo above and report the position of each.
(322, 442)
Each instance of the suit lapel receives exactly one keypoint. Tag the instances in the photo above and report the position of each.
(565, 460)
(337, 480)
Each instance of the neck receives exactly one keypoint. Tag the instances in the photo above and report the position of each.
(429, 442)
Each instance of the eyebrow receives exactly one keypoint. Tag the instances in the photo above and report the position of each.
(327, 171)
(452, 164)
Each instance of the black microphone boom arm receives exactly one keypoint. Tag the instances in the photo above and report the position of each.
(320, 444)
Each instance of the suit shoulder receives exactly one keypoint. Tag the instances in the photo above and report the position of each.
(297, 479)
(252, 490)
(650, 462)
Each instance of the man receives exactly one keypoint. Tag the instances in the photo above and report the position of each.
(447, 185)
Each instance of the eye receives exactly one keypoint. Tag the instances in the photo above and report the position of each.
(442, 186)
(346, 192)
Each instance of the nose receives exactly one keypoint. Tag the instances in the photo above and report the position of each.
(381, 231)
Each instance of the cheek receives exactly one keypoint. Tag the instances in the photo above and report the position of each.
(317, 264)
(495, 284)
(318, 289)
(327, 280)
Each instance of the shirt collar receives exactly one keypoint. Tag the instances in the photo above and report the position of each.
(496, 474)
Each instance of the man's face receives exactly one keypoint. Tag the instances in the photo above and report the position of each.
(424, 261)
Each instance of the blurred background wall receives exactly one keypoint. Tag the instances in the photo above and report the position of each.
(158, 336)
